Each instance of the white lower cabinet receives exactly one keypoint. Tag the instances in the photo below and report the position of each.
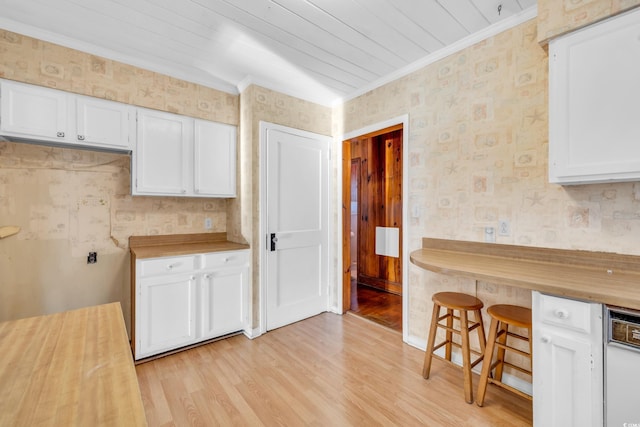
(180, 301)
(222, 296)
(567, 362)
(167, 313)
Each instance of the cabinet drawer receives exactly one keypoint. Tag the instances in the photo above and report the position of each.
(225, 259)
(155, 266)
(565, 313)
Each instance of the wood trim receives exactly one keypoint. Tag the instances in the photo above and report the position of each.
(382, 284)
(602, 277)
(346, 226)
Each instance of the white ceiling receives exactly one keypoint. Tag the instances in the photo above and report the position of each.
(321, 50)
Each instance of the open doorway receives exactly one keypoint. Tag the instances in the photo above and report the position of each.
(372, 226)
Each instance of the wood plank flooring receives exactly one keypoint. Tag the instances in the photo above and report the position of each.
(378, 306)
(328, 370)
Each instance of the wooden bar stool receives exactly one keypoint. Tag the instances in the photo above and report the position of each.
(503, 316)
(463, 304)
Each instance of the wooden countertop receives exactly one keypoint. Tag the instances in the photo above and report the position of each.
(181, 244)
(69, 369)
(604, 277)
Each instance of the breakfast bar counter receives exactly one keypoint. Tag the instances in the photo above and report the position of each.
(69, 369)
(603, 277)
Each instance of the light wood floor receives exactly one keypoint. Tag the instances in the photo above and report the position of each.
(329, 370)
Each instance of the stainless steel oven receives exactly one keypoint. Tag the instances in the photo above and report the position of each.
(622, 367)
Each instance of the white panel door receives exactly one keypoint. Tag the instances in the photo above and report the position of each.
(297, 225)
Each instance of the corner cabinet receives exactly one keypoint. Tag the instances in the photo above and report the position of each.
(34, 113)
(594, 87)
(182, 156)
(184, 300)
(567, 362)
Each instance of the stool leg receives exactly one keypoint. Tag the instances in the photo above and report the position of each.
(466, 356)
(481, 334)
(449, 336)
(428, 355)
(502, 339)
(530, 351)
(486, 362)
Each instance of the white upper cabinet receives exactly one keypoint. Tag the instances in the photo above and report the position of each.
(594, 113)
(172, 155)
(182, 156)
(35, 113)
(214, 159)
(104, 123)
(161, 158)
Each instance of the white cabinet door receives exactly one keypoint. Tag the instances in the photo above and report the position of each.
(567, 362)
(34, 112)
(163, 152)
(562, 367)
(165, 313)
(104, 123)
(594, 87)
(222, 301)
(214, 159)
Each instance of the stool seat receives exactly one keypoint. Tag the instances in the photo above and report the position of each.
(511, 314)
(463, 304)
(457, 301)
(502, 317)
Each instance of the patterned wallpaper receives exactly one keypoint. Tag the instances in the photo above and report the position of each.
(477, 144)
(477, 147)
(37, 62)
(69, 202)
(260, 104)
(556, 17)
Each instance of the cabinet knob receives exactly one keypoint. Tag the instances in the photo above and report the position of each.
(60, 134)
(207, 276)
(561, 313)
(183, 191)
(545, 339)
(80, 137)
(174, 265)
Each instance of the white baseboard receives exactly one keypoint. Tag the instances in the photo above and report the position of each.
(252, 333)
(456, 358)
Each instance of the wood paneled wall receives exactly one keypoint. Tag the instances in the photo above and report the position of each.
(380, 205)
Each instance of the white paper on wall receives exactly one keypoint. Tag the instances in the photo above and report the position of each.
(388, 241)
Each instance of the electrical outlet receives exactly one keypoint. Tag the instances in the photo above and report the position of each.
(208, 224)
(489, 234)
(504, 227)
(92, 258)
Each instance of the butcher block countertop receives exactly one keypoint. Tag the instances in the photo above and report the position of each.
(603, 277)
(181, 244)
(69, 369)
